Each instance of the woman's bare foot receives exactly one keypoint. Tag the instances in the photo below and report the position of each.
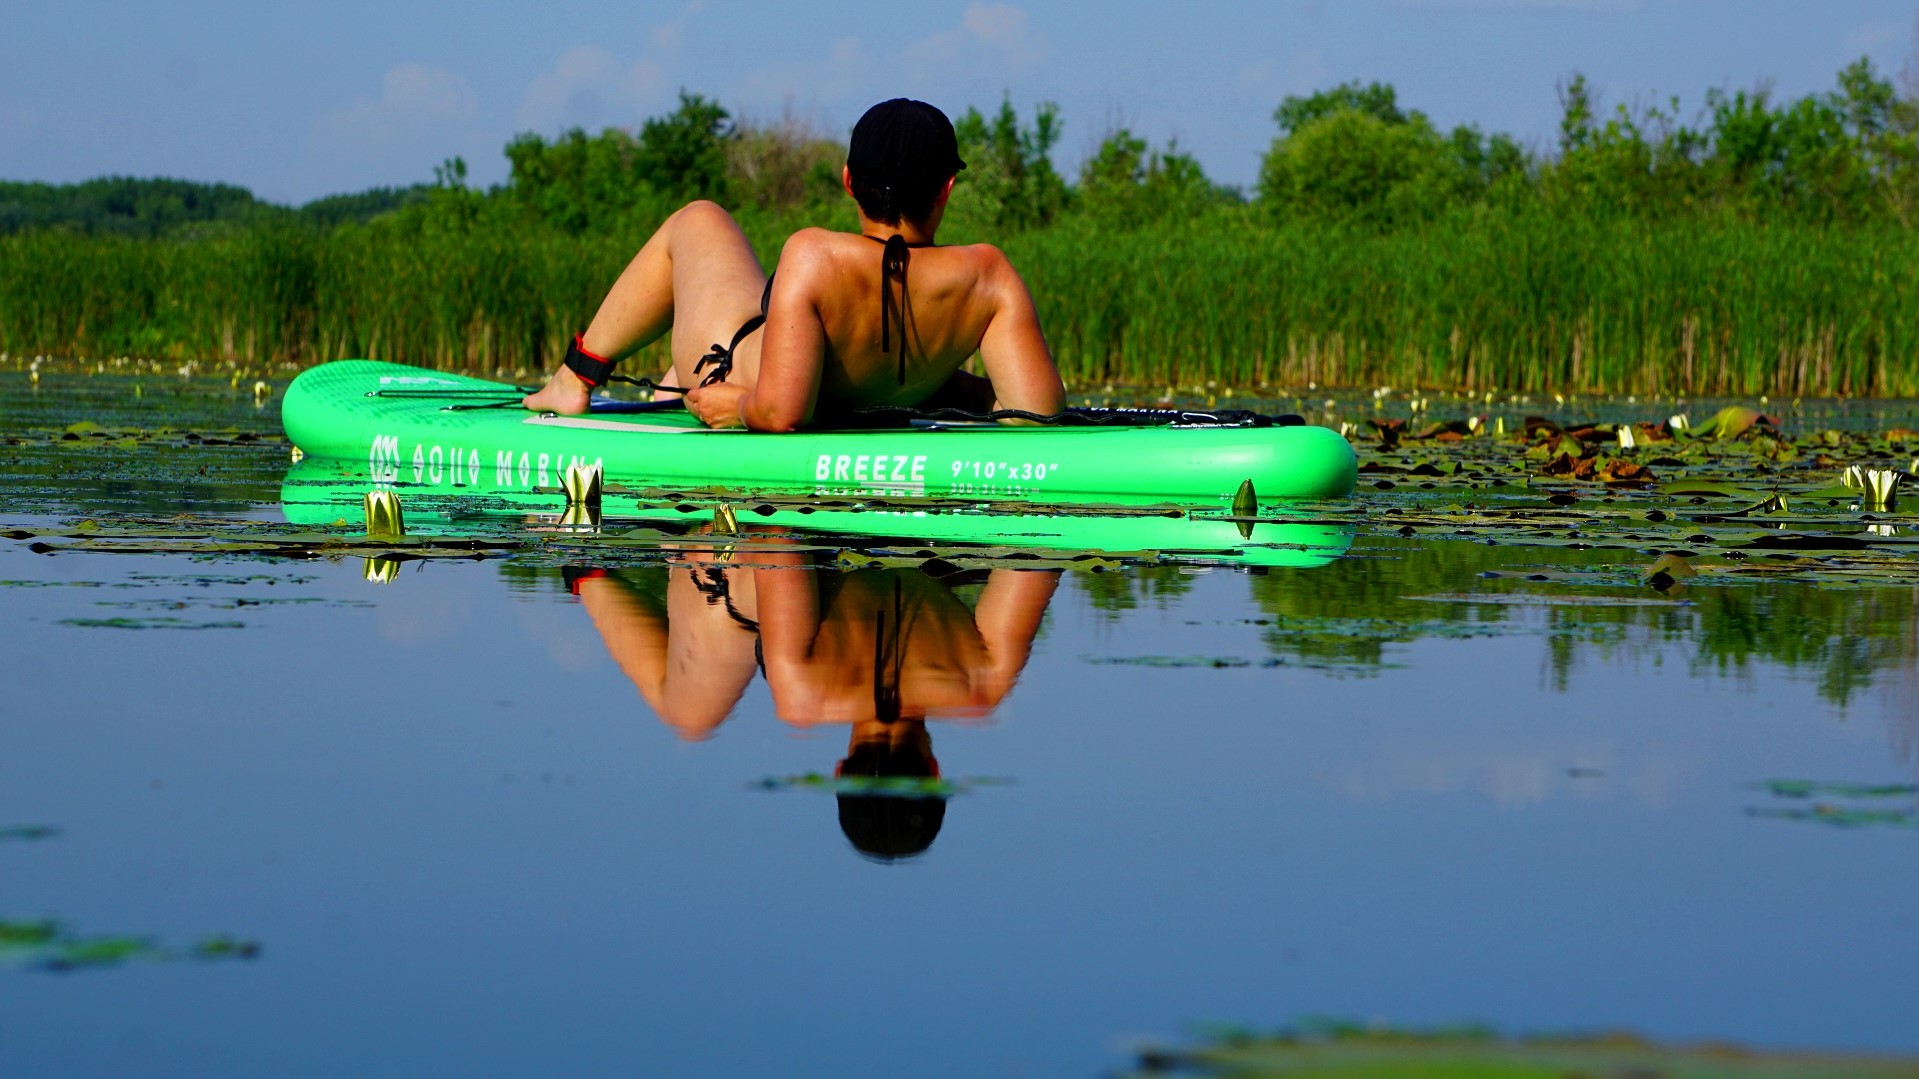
(564, 393)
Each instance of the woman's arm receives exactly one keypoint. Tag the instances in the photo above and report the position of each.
(1014, 350)
(792, 352)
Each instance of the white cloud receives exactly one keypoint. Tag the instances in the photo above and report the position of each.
(846, 72)
(1303, 72)
(991, 41)
(17, 120)
(415, 100)
(1606, 6)
(588, 88)
(1875, 36)
(668, 36)
(1514, 777)
(994, 34)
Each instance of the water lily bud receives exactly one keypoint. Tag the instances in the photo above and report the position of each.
(582, 484)
(383, 515)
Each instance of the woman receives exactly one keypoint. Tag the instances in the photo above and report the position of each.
(842, 324)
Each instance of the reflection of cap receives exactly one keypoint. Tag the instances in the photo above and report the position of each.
(887, 827)
(903, 140)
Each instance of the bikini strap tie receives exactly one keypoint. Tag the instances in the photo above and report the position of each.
(893, 264)
(721, 357)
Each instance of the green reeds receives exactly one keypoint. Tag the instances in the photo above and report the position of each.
(1480, 299)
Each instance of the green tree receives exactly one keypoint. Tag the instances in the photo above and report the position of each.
(1009, 183)
(784, 165)
(1127, 185)
(684, 152)
(1357, 166)
(1637, 162)
(577, 182)
(1375, 99)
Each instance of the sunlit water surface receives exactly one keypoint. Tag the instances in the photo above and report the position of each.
(488, 818)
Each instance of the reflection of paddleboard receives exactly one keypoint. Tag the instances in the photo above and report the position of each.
(398, 421)
(323, 492)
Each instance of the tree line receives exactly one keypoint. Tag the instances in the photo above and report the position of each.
(1351, 154)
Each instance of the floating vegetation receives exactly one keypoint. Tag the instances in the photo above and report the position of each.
(1326, 1049)
(27, 832)
(155, 622)
(1842, 805)
(47, 945)
(231, 603)
(1808, 788)
(1234, 663)
(211, 580)
(1523, 599)
(239, 538)
(880, 786)
(94, 438)
(1176, 662)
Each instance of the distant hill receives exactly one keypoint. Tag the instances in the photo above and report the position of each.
(127, 206)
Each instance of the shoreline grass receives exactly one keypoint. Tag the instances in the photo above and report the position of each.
(1475, 301)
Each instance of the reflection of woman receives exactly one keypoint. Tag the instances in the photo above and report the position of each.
(878, 650)
(882, 650)
(689, 651)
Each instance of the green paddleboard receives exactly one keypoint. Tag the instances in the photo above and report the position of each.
(409, 424)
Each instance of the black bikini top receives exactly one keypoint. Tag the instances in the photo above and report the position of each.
(892, 265)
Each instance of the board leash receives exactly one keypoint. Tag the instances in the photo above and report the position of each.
(885, 416)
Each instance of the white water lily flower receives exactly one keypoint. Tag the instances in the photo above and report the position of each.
(582, 484)
(1882, 487)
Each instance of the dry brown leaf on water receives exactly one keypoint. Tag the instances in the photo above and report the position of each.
(1579, 468)
(1620, 470)
(1446, 431)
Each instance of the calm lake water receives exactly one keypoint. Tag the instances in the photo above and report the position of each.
(502, 817)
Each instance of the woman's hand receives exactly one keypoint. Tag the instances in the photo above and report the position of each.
(717, 405)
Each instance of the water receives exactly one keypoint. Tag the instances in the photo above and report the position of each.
(480, 825)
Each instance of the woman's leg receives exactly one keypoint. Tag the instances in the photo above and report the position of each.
(696, 276)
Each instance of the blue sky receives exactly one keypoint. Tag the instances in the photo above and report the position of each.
(298, 101)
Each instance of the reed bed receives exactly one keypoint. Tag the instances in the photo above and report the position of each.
(1478, 300)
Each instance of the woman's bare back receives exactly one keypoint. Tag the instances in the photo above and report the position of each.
(834, 341)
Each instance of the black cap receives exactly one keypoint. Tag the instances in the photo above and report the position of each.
(902, 141)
